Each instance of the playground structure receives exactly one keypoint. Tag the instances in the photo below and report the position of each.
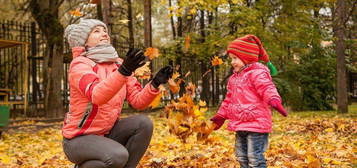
(22, 52)
(13, 66)
(17, 67)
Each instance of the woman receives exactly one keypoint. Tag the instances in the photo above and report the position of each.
(94, 134)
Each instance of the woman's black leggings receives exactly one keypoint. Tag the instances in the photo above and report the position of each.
(124, 146)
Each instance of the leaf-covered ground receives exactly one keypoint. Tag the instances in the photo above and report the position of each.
(304, 139)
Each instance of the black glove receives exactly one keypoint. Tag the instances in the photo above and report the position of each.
(134, 59)
(162, 76)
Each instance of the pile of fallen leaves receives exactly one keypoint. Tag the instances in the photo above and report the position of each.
(185, 118)
(316, 140)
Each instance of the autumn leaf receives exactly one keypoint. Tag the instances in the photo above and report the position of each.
(187, 74)
(191, 116)
(202, 103)
(193, 11)
(94, 1)
(175, 75)
(173, 86)
(300, 140)
(204, 74)
(152, 53)
(76, 12)
(190, 89)
(216, 61)
(143, 72)
(124, 21)
(187, 43)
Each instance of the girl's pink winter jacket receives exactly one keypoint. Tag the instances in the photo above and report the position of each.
(246, 104)
(97, 95)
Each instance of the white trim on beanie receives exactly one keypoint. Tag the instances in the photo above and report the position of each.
(77, 34)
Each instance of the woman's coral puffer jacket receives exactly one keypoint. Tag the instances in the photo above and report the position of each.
(97, 93)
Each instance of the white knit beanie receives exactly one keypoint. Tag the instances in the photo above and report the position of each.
(77, 34)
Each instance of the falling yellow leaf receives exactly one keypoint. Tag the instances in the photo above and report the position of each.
(202, 103)
(76, 12)
(124, 21)
(152, 53)
(143, 72)
(216, 61)
(193, 11)
(175, 75)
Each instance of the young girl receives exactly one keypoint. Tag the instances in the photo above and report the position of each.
(94, 134)
(246, 105)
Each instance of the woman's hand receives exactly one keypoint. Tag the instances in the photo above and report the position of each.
(134, 59)
(162, 76)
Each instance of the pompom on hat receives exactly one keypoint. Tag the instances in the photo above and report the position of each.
(77, 34)
(249, 49)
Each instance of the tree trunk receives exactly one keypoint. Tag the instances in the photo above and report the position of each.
(106, 14)
(172, 23)
(147, 24)
(232, 25)
(213, 91)
(179, 52)
(46, 16)
(339, 33)
(217, 86)
(130, 25)
(205, 83)
(99, 12)
(205, 77)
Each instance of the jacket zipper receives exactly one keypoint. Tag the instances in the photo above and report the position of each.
(84, 118)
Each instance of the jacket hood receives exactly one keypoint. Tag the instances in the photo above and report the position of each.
(256, 66)
(77, 51)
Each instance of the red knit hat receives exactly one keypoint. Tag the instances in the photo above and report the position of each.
(249, 49)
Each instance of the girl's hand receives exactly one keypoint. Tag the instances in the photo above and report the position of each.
(276, 104)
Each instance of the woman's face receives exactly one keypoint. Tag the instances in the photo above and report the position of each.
(236, 63)
(98, 36)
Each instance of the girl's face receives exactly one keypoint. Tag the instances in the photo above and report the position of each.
(98, 36)
(236, 63)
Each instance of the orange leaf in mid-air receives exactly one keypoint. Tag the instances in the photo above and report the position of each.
(76, 12)
(190, 89)
(216, 61)
(188, 73)
(152, 53)
(187, 42)
(173, 86)
(94, 1)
